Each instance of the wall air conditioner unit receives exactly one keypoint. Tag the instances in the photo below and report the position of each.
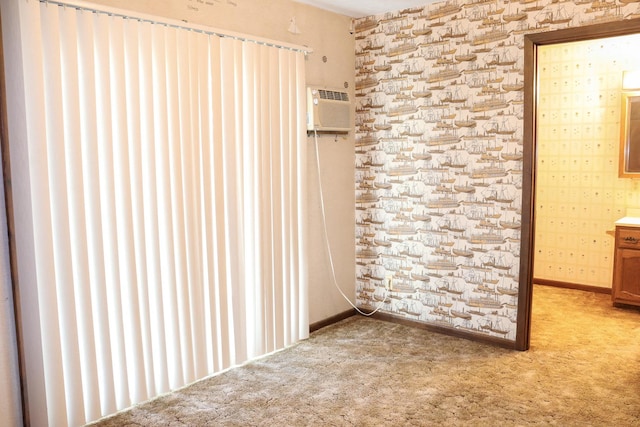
(328, 110)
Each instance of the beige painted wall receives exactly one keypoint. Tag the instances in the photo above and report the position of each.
(578, 193)
(331, 65)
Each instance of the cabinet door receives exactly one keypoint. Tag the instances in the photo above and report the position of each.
(627, 281)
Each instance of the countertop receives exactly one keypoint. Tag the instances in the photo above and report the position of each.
(628, 221)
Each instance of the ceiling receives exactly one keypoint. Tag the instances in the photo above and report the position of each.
(360, 8)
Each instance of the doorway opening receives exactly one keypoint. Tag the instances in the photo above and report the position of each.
(579, 193)
(532, 43)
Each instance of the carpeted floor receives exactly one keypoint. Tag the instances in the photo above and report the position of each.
(583, 369)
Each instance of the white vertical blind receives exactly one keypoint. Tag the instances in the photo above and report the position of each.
(158, 186)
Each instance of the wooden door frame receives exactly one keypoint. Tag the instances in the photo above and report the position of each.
(531, 42)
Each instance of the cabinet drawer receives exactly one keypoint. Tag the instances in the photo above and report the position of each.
(628, 238)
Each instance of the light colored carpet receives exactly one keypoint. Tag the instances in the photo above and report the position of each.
(583, 369)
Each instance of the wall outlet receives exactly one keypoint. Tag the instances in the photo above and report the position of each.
(388, 281)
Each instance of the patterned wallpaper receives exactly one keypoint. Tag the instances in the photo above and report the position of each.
(579, 195)
(439, 104)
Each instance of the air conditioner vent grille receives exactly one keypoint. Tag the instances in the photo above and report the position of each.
(330, 94)
(328, 110)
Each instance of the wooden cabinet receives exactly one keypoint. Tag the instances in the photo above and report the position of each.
(626, 266)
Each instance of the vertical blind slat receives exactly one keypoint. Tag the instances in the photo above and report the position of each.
(232, 152)
(124, 211)
(215, 219)
(248, 217)
(157, 361)
(161, 186)
(193, 207)
(70, 229)
(54, 238)
(276, 206)
(285, 186)
(301, 196)
(90, 198)
(183, 140)
(168, 181)
(106, 132)
(206, 191)
(223, 174)
(266, 234)
(72, 72)
(143, 367)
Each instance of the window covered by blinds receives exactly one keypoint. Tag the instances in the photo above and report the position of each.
(158, 191)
